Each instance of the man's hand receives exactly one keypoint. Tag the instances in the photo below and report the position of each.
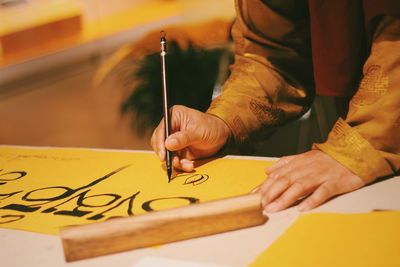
(313, 175)
(194, 135)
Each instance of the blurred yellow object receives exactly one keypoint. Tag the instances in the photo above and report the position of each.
(39, 24)
(139, 14)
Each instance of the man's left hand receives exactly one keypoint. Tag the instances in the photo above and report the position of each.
(314, 176)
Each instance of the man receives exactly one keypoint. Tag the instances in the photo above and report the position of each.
(286, 51)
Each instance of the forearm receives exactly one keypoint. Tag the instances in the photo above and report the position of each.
(270, 82)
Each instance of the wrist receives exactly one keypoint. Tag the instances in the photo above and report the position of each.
(221, 130)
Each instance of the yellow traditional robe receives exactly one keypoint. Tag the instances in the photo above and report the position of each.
(271, 83)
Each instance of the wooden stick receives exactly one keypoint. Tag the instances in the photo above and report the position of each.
(159, 227)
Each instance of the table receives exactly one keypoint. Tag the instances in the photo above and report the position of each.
(237, 248)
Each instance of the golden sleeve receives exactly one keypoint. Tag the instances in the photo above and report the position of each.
(271, 80)
(368, 141)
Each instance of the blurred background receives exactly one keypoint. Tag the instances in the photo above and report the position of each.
(86, 73)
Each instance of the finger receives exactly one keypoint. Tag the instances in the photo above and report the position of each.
(273, 178)
(320, 195)
(267, 184)
(296, 167)
(157, 141)
(187, 165)
(292, 173)
(177, 117)
(182, 163)
(178, 141)
(300, 188)
(274, 190)
(176, 162)
(255, 190)
(281, 162)
(331, 188)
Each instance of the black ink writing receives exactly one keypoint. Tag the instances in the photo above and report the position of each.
(147, 205)
(10, 176)
(81, 202)
(11, 218)
(194, 179)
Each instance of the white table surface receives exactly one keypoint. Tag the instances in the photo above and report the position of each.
(237, 248)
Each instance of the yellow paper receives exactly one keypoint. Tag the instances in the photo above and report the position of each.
(329, 239)
(42, 190)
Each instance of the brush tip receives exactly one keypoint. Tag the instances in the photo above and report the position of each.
(169, 172)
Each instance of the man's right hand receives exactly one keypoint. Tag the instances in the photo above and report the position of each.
(194, 135)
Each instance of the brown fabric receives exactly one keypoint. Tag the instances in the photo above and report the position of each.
(341, 40)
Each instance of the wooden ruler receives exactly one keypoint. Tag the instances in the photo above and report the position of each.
(160, 227)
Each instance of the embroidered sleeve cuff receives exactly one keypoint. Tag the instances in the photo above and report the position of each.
(354, 152)
(237, 127)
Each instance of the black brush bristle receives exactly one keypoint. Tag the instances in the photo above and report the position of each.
(191, 77)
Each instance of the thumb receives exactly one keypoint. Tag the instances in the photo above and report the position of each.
(179, 140)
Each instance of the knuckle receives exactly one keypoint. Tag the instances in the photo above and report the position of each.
(177, 108)
(325, 190)
(284, 200)
(286, 159)
(356, 182)
(310, 202)
(273, 176)
(185, 138)
(266, 198)
(278, 177)
(283, 160)
(300, 186)
(284, 180)
(292, 177)
(264, 189)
